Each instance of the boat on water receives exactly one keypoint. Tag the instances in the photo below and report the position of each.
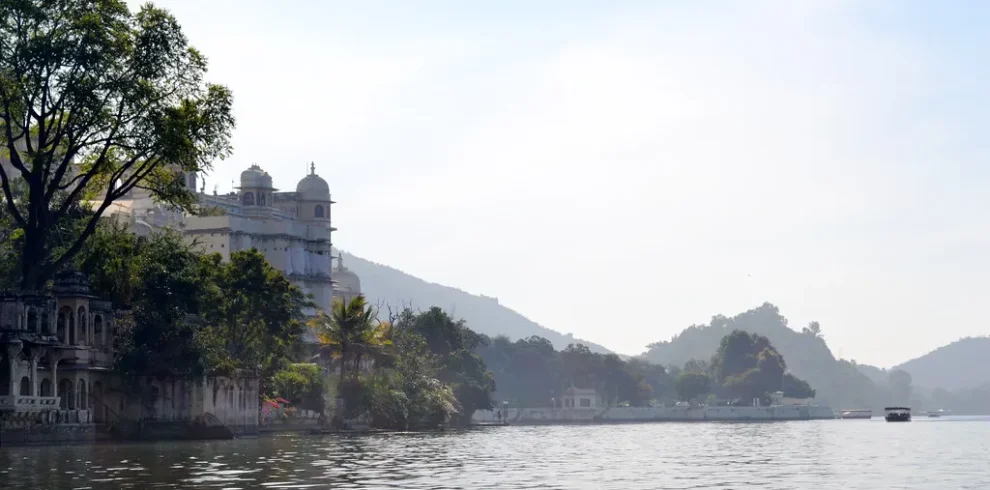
(937, 413)
(897, 414)
(856, 414)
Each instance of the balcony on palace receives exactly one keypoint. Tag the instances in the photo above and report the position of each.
(15, 403)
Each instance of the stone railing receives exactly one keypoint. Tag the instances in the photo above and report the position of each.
(16, 403)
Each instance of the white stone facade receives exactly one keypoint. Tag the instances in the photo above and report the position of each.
(292, 229)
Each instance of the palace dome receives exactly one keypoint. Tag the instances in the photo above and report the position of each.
(344, 279)
(254, 177)
(313, 186)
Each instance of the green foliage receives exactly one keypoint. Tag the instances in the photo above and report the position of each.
(796, 388)
(190, 313)
(403, 391)
(529, 373)
(451, 345)
(813, 329)
(900, 387)
(300, 384)
(837, 383)
(162, 282)
(691, 385)
(255, 317)
(387, 403)
(748, 366)
(96, 101)
(347, 335)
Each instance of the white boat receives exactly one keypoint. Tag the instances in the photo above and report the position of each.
(897, 414)
(856, 414)
(937, 413)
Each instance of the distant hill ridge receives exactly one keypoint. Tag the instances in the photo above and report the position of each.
(389, 286)
(838, 382)
(961, 364)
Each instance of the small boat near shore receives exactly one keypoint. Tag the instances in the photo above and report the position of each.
(897, 414)
(856, 414)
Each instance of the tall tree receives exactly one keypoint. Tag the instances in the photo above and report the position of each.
(454, 345)
(350, 332)
(96, 101)
(691, 385)
(899, 382)
(257, 320)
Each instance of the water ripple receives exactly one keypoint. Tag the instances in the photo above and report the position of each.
(821, 454)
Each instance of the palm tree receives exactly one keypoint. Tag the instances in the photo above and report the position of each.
(349, 333)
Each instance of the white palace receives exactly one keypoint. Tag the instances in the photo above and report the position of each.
(56, 351)
(292, 229)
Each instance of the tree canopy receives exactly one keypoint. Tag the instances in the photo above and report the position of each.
(96, 101)
(530, 372)
(748, 366)
(452, 344)
(691, 385)
(190, 313)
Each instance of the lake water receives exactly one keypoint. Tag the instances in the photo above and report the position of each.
(951, 452)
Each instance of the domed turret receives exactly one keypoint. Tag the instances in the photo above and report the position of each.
(313, 187)
(256, 187)
(71, 282)
(314, 197)
(346, 284)
(254, 177)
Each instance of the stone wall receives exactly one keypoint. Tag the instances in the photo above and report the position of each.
(657, 414)
(49, 434)
(782, 412)
(232, 402)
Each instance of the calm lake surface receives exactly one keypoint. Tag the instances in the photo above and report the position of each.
(951, 452)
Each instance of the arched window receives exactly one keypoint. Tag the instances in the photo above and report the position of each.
(65, 392)
(98, 330)
(32, 319)
(83, 334)
(99, 407)
(83, 402)
(46, 322)
(46, 387)
(155, 395)
(319, 211)
(72, 326)
(62, 324)
(261, 199)
(25, 386)
(5, 375)
(248, 199)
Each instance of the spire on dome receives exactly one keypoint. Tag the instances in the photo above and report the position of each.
(312, 168)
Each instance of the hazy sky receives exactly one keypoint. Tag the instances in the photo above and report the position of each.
(620, 170)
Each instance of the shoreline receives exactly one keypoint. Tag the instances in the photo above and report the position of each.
(317, 432)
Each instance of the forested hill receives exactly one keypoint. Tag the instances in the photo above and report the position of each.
(961, 364)
(838, 383)
(383, 284)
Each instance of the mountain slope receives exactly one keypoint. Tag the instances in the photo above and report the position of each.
(838, 383)
(387, 286)
(961, 364)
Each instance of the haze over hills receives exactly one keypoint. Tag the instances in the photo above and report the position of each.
(838, 382)
(959, 365)
(385, 285)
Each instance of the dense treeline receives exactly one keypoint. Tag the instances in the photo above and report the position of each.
(530, 373)
(837, 383)
(189, 314)
(416, 370)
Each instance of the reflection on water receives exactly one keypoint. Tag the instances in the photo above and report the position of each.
(943, 453)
